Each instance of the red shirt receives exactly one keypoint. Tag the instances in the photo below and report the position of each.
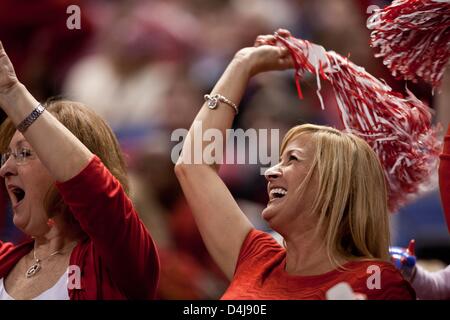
(260, 274)
(444, 177)
(118, 258)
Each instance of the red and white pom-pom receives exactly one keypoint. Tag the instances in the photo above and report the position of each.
(398, 128)
(413, 38)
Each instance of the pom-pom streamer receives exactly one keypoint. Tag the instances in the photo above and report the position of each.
(398, 128)
(413, 38)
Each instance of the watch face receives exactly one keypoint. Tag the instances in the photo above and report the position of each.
(2, 116)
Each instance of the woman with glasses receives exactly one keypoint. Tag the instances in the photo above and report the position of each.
(66, 180)
(327, 198)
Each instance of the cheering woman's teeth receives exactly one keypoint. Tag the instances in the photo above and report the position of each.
(278, 192)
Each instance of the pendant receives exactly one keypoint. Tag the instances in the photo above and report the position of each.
(33, 269)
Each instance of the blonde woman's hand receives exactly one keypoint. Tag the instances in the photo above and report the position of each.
(266, 55)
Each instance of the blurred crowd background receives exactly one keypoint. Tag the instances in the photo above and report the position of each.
(145, 66)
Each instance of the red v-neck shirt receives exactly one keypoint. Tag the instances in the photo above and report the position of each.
(260, 274)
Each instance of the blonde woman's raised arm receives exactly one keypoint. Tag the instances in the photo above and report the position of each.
(222, 224)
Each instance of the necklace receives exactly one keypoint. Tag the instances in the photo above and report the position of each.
(37, 264)
(36, 267)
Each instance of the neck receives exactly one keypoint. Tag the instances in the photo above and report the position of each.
(57, 238)
(307, 255)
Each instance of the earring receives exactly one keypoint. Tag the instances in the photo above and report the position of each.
(50, 223)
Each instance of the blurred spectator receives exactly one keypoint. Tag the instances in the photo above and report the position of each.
(39, 43)
(128, 76)
(189, 272)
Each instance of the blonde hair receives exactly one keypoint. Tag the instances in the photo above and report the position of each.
(351, 196)
(92, 131)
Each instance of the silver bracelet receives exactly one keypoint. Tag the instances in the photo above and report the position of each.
(213, 101)
(28, 121)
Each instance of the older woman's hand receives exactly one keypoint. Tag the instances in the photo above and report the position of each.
(266, 55)
(8, 78)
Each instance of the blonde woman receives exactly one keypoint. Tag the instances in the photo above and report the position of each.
(327, 198)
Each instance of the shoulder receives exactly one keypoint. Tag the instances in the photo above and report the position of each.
(5, 248)
(380, 280)
(257, 243)
(10, 254)
(257, 247)
(9, 248)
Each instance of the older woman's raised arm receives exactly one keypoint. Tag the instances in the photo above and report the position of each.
(59, 150)
(222, 224)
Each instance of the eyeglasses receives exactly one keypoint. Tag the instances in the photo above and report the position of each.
(21, 156)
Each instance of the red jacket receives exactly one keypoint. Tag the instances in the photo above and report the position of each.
(118, 258)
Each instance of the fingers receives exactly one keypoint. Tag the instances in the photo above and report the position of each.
(278, 55)
(283, 33)
(265, 40)
(2, 51)
(272, 40)
(284, 52)
(287, 62)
